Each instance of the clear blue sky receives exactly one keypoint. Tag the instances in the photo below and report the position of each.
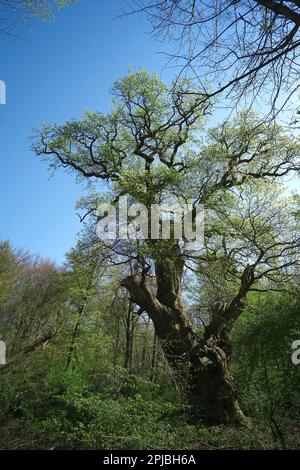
(61, 69)
(56, 72)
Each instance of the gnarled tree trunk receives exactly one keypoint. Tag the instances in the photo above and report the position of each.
(201, 362)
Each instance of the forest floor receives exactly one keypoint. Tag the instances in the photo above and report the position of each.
(100, 422)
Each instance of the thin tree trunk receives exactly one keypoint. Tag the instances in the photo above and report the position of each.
(153, 358)
(144, 358)
(116, 348)
(71, 348)
(128, 338)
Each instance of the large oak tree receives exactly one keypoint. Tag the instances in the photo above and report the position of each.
(153, 146)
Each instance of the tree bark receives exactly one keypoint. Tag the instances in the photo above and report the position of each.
(128, 338)
(153, 357)
(200, 362)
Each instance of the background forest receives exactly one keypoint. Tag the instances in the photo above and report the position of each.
(85, 371)
(146, 343)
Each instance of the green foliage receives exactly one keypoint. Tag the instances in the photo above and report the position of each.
(14, 15)
(95, 405)
(102, 380)
(43, 8)
(267, 380)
